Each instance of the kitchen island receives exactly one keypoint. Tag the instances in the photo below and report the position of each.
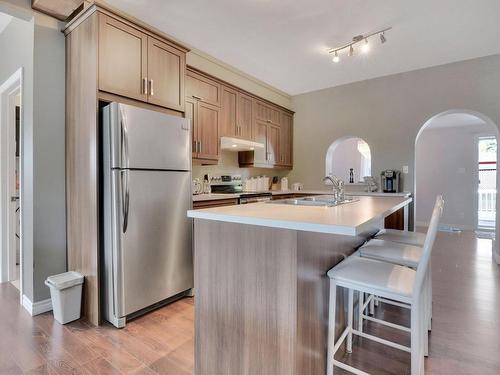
(261, 289)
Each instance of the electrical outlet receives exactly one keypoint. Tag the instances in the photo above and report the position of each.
(405, 169)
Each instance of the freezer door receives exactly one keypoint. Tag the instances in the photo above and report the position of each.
(144, 139)
(153, 235)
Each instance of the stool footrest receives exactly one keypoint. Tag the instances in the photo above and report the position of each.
(382, 341)
(385, 323)
(390, 302)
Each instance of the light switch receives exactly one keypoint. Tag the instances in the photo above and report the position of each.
(461, 170)
(405, 169)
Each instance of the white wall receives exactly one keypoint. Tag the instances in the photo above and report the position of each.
(446, 163)
(35, 42)
(346, 155)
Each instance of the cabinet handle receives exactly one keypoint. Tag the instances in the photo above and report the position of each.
(194, 147)
(151, 90)
(145, 85)
(199, 145)
(197, 97)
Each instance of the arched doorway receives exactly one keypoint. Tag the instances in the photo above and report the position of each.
(454, 151)
(348, 153)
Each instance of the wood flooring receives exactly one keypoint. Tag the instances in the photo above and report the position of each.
(465, 338)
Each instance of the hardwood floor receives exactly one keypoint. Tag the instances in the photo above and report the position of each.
(465, 338)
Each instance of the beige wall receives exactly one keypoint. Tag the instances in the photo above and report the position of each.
(387, 113)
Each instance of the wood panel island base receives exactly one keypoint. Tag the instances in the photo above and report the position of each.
(261, 290)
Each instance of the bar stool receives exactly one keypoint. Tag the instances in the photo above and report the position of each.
(401, 236)
(395, 282)
(399, 247)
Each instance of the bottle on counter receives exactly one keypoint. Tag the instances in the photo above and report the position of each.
(351, 175)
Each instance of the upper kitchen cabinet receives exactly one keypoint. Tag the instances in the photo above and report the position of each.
(267, 113)
(122, 59)
(229, 126)
(244, 115)
(286, 140)
(203, 88)
(166, 71)
(236, 117)
(137, 65)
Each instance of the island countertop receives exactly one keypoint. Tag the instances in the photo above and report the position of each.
(349, 219)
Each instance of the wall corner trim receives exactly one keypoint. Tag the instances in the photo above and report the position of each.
(37, 308)
(495, 252)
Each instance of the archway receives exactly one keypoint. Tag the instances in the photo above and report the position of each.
(346, 153)
(447, 161)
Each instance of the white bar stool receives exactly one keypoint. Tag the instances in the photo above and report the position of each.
(399, 247)
(401, 236)
(394, 282)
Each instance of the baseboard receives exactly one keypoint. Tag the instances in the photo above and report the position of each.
(37, 308)
(446, 225)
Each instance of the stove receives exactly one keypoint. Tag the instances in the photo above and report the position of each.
(232, 184)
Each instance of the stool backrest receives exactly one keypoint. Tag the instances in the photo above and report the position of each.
(429, 244)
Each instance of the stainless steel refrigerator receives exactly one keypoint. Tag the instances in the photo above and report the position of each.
(146, 193)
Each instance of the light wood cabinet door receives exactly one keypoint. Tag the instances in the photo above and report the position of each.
(190, 113)
(261, 111)
(122, 59)
(228, 125)
(273, 144)
(203, 88)
(207, 122)
(286, 139)
(244, 114)
(166, 71)
(260, 131)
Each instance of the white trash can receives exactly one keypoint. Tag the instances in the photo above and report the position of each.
(66, 295)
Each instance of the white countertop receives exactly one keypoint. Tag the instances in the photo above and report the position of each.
(216, 196)
(347, 219)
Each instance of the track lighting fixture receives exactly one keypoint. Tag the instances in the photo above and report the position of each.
(365, 46)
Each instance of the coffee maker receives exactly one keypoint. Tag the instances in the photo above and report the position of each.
(390, 181)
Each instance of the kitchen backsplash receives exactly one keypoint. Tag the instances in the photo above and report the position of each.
(228, 164)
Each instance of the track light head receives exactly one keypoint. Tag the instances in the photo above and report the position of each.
(383, 39)
(366, 47)
(351, 51)
(336, 57)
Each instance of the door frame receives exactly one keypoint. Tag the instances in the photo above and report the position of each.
(477, 137)
(8, 92)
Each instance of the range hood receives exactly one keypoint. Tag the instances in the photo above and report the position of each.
(236, 144)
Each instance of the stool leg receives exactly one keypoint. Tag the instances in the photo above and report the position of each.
(429, 295)
(416, 339)
(372, 305)
(360, 311)
(331, 326)
(350, 308)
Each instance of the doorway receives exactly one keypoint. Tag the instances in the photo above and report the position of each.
(454, 150)
(487, 183)
(10, 181)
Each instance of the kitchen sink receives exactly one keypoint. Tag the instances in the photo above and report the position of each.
(318, 201)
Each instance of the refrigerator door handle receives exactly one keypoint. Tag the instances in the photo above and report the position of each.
(125, 198)
(124, 139)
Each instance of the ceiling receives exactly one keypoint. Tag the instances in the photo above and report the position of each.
(453, 120)
(284, 42)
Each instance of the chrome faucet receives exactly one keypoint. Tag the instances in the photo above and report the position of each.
(338, 187)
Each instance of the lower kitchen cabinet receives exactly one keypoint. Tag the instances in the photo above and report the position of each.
(215, 203)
